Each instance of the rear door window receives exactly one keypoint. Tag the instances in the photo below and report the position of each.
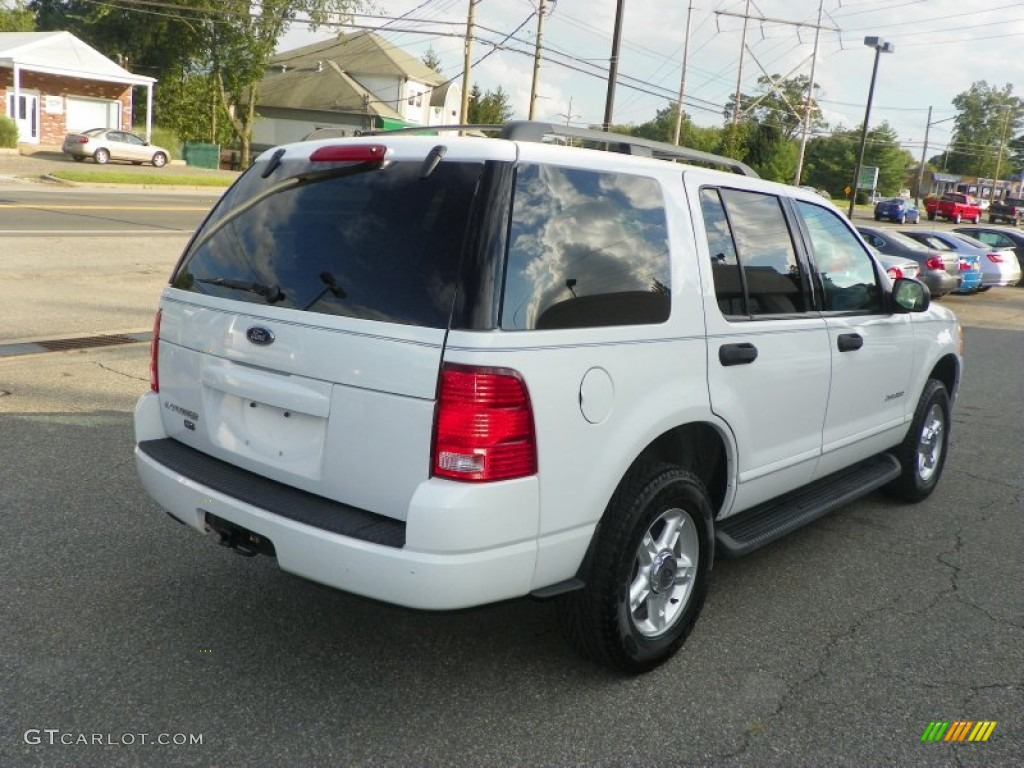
(754, 263)
(586, 249)
(375, 244)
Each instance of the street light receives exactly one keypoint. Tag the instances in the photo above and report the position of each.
(881, 46)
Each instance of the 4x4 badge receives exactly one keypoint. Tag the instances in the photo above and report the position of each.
(260, 335)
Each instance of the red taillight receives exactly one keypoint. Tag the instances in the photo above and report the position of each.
(894, 272)
(358, 153)
(154, 351)
(935, 263)
(484, 428)
(995, 258)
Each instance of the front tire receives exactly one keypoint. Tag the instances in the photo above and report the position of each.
(931, 217)
(647, 575)
(159, 160)
(956, 219)
(922, 454)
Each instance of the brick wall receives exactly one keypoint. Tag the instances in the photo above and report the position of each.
(53, 126)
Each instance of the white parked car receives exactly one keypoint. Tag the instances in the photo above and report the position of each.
(104, 145)
(445, 371)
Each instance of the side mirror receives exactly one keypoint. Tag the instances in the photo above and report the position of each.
(909, 295)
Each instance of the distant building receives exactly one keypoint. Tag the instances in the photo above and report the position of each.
(353, 83)
(53, 83)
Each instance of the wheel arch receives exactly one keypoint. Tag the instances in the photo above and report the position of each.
(947, 370)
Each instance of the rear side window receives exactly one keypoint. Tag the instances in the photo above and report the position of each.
(754, 263)
(585, 249)
(377, 244)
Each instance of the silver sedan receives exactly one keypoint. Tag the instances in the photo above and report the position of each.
(105, 144)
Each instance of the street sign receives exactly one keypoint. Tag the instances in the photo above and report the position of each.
(868, 177)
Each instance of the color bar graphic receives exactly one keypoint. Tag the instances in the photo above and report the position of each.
(958, 730)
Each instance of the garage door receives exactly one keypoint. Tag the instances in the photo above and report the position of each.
(84, 114)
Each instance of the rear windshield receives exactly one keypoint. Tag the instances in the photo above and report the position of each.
(376, 244)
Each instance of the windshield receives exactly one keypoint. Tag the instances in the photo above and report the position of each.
(376, 243)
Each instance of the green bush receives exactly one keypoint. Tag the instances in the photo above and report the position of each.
(162, 137)
(8, 133)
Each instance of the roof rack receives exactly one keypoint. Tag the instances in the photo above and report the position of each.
(535, 131)
(526, 130)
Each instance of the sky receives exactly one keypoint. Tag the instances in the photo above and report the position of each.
(941, 48)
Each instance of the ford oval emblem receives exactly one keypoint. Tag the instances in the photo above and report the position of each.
(260, 335)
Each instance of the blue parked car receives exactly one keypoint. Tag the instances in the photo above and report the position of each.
(898, 209)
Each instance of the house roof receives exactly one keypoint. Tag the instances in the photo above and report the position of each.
(61, 53)
(326, 87)
(361, 53)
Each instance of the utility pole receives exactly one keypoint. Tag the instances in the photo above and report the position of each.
(467, 63)
(613, 67)
(682, 78)
(739, 74)
(536, 59)
(810, 98)
(924, 154)
(568, 115)
(814, 57)
(999, 157)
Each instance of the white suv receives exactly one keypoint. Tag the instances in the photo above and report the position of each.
(443, 371)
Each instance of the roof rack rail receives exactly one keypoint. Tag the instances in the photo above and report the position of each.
(482, 127)
(526, 130)
(535, 131)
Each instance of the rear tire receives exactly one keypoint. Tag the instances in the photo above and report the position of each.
(78, 158)
(647, 574)
(922, 454)
(101, 156)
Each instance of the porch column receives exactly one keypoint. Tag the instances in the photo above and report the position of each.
(149, 111)
(17, 93)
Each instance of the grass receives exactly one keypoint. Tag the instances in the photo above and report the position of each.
(107, 176)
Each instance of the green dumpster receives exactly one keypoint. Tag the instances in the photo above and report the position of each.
(201, 155)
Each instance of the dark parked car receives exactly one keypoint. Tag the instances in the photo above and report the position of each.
(940, 270)
(897, 209)
(998, 237)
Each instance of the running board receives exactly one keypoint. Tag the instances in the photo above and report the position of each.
(753, 528)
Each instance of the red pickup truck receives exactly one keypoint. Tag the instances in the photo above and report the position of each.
(954, 206)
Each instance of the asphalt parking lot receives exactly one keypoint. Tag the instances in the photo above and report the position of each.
(835, 646)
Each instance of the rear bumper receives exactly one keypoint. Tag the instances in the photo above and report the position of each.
(465, 545)
(939, 283)
(997, 279)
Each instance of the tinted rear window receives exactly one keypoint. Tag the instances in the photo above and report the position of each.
(380, 244)
(586, 249)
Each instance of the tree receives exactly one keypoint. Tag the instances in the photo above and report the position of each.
(17, 19)
(432, 60)
(227, 42)
(491, 108)
(987, 121)
(778, 103)
(830, 160)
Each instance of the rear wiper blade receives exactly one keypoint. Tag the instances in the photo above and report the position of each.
(271, 293)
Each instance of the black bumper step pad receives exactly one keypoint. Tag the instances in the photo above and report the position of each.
(752, 529)
(272, 496)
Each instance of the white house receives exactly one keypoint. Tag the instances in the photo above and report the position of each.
(355, 82)
(54, 83)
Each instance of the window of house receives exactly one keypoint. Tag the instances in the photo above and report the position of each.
(586, 249)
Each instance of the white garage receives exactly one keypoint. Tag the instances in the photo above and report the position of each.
(83, 114)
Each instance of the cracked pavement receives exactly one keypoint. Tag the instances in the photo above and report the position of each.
(834, 646)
